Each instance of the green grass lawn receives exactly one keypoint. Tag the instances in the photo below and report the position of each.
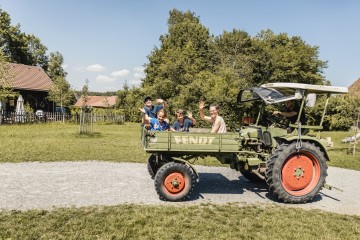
(118, 143)
(339, 156)
(121, 143)
(61, 142)
(230, 221)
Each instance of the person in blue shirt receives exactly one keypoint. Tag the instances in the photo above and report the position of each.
(159, 123)
(183, 124)
(152, 110)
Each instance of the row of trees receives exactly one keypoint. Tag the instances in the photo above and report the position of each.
(19, 47)
(191, 64)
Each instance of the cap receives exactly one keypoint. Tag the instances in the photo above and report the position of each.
(147, 98)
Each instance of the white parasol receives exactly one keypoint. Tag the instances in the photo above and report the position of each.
(20, 112)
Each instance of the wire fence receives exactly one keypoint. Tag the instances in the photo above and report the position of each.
(23, 117)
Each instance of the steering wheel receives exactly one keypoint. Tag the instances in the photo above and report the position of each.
(276, 121)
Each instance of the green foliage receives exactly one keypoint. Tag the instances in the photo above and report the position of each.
(129, 101)
(340, 113)
(55, 68)
(20, 47)
(28, 108)
(184, 52)
(190, 65)
(60, 92)
(290, 59)
(85, 94)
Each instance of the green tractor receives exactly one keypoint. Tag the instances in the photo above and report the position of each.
(264, 148)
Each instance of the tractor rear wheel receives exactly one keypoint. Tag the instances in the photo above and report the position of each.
(174, 181)
(296, 176)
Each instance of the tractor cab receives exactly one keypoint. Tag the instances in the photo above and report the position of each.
(260, 102)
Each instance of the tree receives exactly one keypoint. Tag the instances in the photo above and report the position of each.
(55, 68)
(60, 92)
(20, 47)
(341, 111)
(183, 53)
(85, 93)
(128, 101)
(290, 59)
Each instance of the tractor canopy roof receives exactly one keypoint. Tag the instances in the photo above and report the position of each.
(272, 93)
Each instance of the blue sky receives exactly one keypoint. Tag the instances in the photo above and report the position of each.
(108, 41)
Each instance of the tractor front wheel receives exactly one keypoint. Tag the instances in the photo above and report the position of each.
(296, 176)
(152, 165)
(174, 181)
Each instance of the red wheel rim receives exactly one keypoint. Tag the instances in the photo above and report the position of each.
(174, 183)
(300, 174)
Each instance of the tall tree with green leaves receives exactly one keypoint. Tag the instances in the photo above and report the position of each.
(20, 47)
(183, 53)
(55, 68)
(61, 92)
(290, 59)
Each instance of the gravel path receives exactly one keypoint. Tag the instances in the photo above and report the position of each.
(38, 185)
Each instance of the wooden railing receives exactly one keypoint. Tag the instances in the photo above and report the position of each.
(19, 118)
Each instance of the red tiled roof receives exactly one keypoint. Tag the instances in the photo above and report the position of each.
(97, 101)
(355, 87)
(24, 77)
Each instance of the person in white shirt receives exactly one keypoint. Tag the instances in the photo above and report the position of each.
(218, 123)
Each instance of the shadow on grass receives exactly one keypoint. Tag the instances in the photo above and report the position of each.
(89, 135)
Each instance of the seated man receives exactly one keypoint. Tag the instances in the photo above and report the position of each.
(291, 113)
(183, 124)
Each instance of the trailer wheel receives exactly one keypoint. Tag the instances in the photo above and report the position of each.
(296, 176)
(174, 181)
(152, 166)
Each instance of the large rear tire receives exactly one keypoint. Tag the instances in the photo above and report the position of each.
(174, 181)
(296, 176)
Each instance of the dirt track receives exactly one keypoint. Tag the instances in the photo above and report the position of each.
(75, 184)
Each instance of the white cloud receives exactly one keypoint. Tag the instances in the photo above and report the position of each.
(79, 69)
(120, 73)
(139, 72)
(104, 79)
(134, 82)
(64, 66)
(139, 69)
(139, 75)
(95, 68)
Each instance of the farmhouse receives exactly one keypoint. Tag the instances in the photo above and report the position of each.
(97, 101)
(355, 88)
(32, 83)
